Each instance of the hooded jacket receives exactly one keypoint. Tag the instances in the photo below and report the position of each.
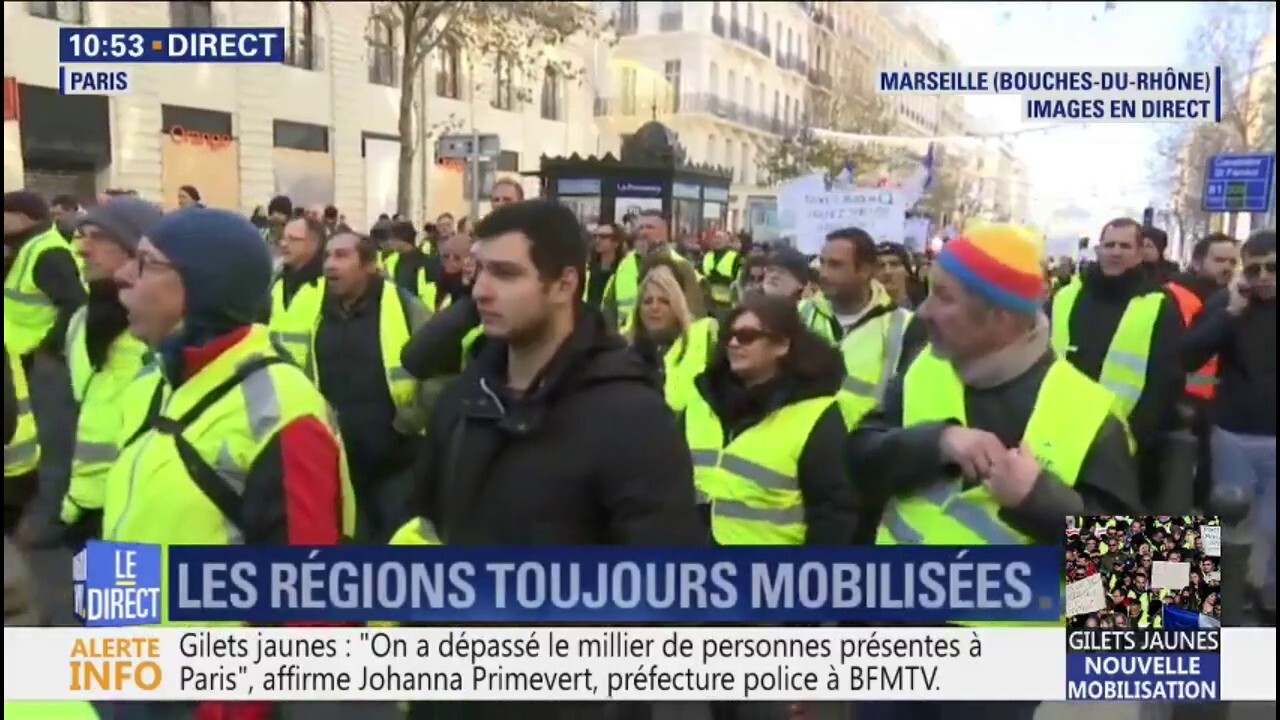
(830, 510)
(590, 455)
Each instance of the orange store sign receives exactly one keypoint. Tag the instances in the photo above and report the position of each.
(213, 141)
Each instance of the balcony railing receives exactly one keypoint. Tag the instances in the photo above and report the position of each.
(735, 30)
(765, 46)
(794, 63)
(821, 78)
(671, 21)
(628, 25)
(645, 106)
(718, 25)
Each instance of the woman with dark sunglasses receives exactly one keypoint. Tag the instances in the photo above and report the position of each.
(766, 435)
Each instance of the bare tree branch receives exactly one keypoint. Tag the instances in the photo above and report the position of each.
(521, 32)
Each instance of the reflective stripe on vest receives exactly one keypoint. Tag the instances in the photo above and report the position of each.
(719, 274)
(751, 482)
(947, 513)
(871, 353)
(150, 498)
(1124, 369)
(28, 313)
(99, 394)
(1202, 383)
(685, 360)
(292, 324)
(22, 453)
(393, 334)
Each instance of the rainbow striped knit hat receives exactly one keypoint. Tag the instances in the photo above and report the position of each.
(1002, 263)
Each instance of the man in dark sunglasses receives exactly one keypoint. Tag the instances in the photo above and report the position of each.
(1239, 326)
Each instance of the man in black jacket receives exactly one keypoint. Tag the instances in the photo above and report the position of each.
(554, 434)
(1238, 326)
(1088, 313)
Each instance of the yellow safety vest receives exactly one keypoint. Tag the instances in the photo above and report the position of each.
(469, 341)
(98, 393)
(751, 481)
(424, 289)
(1069, 411)
(393, 334)
(292, 323)
(720, 275)
(625, 287)
(686, 360)
(208, 432)
(28, 313)
(52, 710)
(871, 353)
(418, 531)
(22, 454)
(815, 313)
(1124, 369)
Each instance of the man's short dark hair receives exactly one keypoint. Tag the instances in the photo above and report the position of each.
(366, 247)
(556, 239)
(1158, 237)
(403, 230)
(1200, 250)
(331, 213)
(1121, 224)
(280, 204)
(66, 202)
(313, 226)
(864, 248)
(1262, 242)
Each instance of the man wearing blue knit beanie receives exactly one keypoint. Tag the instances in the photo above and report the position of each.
(235, 443)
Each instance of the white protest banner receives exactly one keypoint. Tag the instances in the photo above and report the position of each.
(1170, 575)
(811, 207)
(1086, 596)
(1211, 535)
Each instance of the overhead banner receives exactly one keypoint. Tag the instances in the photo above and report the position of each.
(811, 207)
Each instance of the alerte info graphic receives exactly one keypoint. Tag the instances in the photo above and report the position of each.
(565, 624)
(1077, 95)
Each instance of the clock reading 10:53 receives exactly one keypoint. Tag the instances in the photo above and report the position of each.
(102, 45)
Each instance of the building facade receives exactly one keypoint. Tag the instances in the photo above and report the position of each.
(731, 79)
(321, 128)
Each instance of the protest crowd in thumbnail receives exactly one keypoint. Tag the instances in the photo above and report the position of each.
(1145, 564)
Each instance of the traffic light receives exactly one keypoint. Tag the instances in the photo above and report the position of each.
(1149, 217)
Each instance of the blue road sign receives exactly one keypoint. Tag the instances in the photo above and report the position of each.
(1239, 182)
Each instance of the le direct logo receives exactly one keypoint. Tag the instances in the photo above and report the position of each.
(212, 141)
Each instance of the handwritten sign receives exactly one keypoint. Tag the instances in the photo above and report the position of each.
(1170, 575)
(1086, 596)
(810, 208)
(1211, 535)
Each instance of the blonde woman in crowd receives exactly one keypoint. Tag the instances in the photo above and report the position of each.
(671, 331)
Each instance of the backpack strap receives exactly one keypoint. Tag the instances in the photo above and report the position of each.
(221, 493)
